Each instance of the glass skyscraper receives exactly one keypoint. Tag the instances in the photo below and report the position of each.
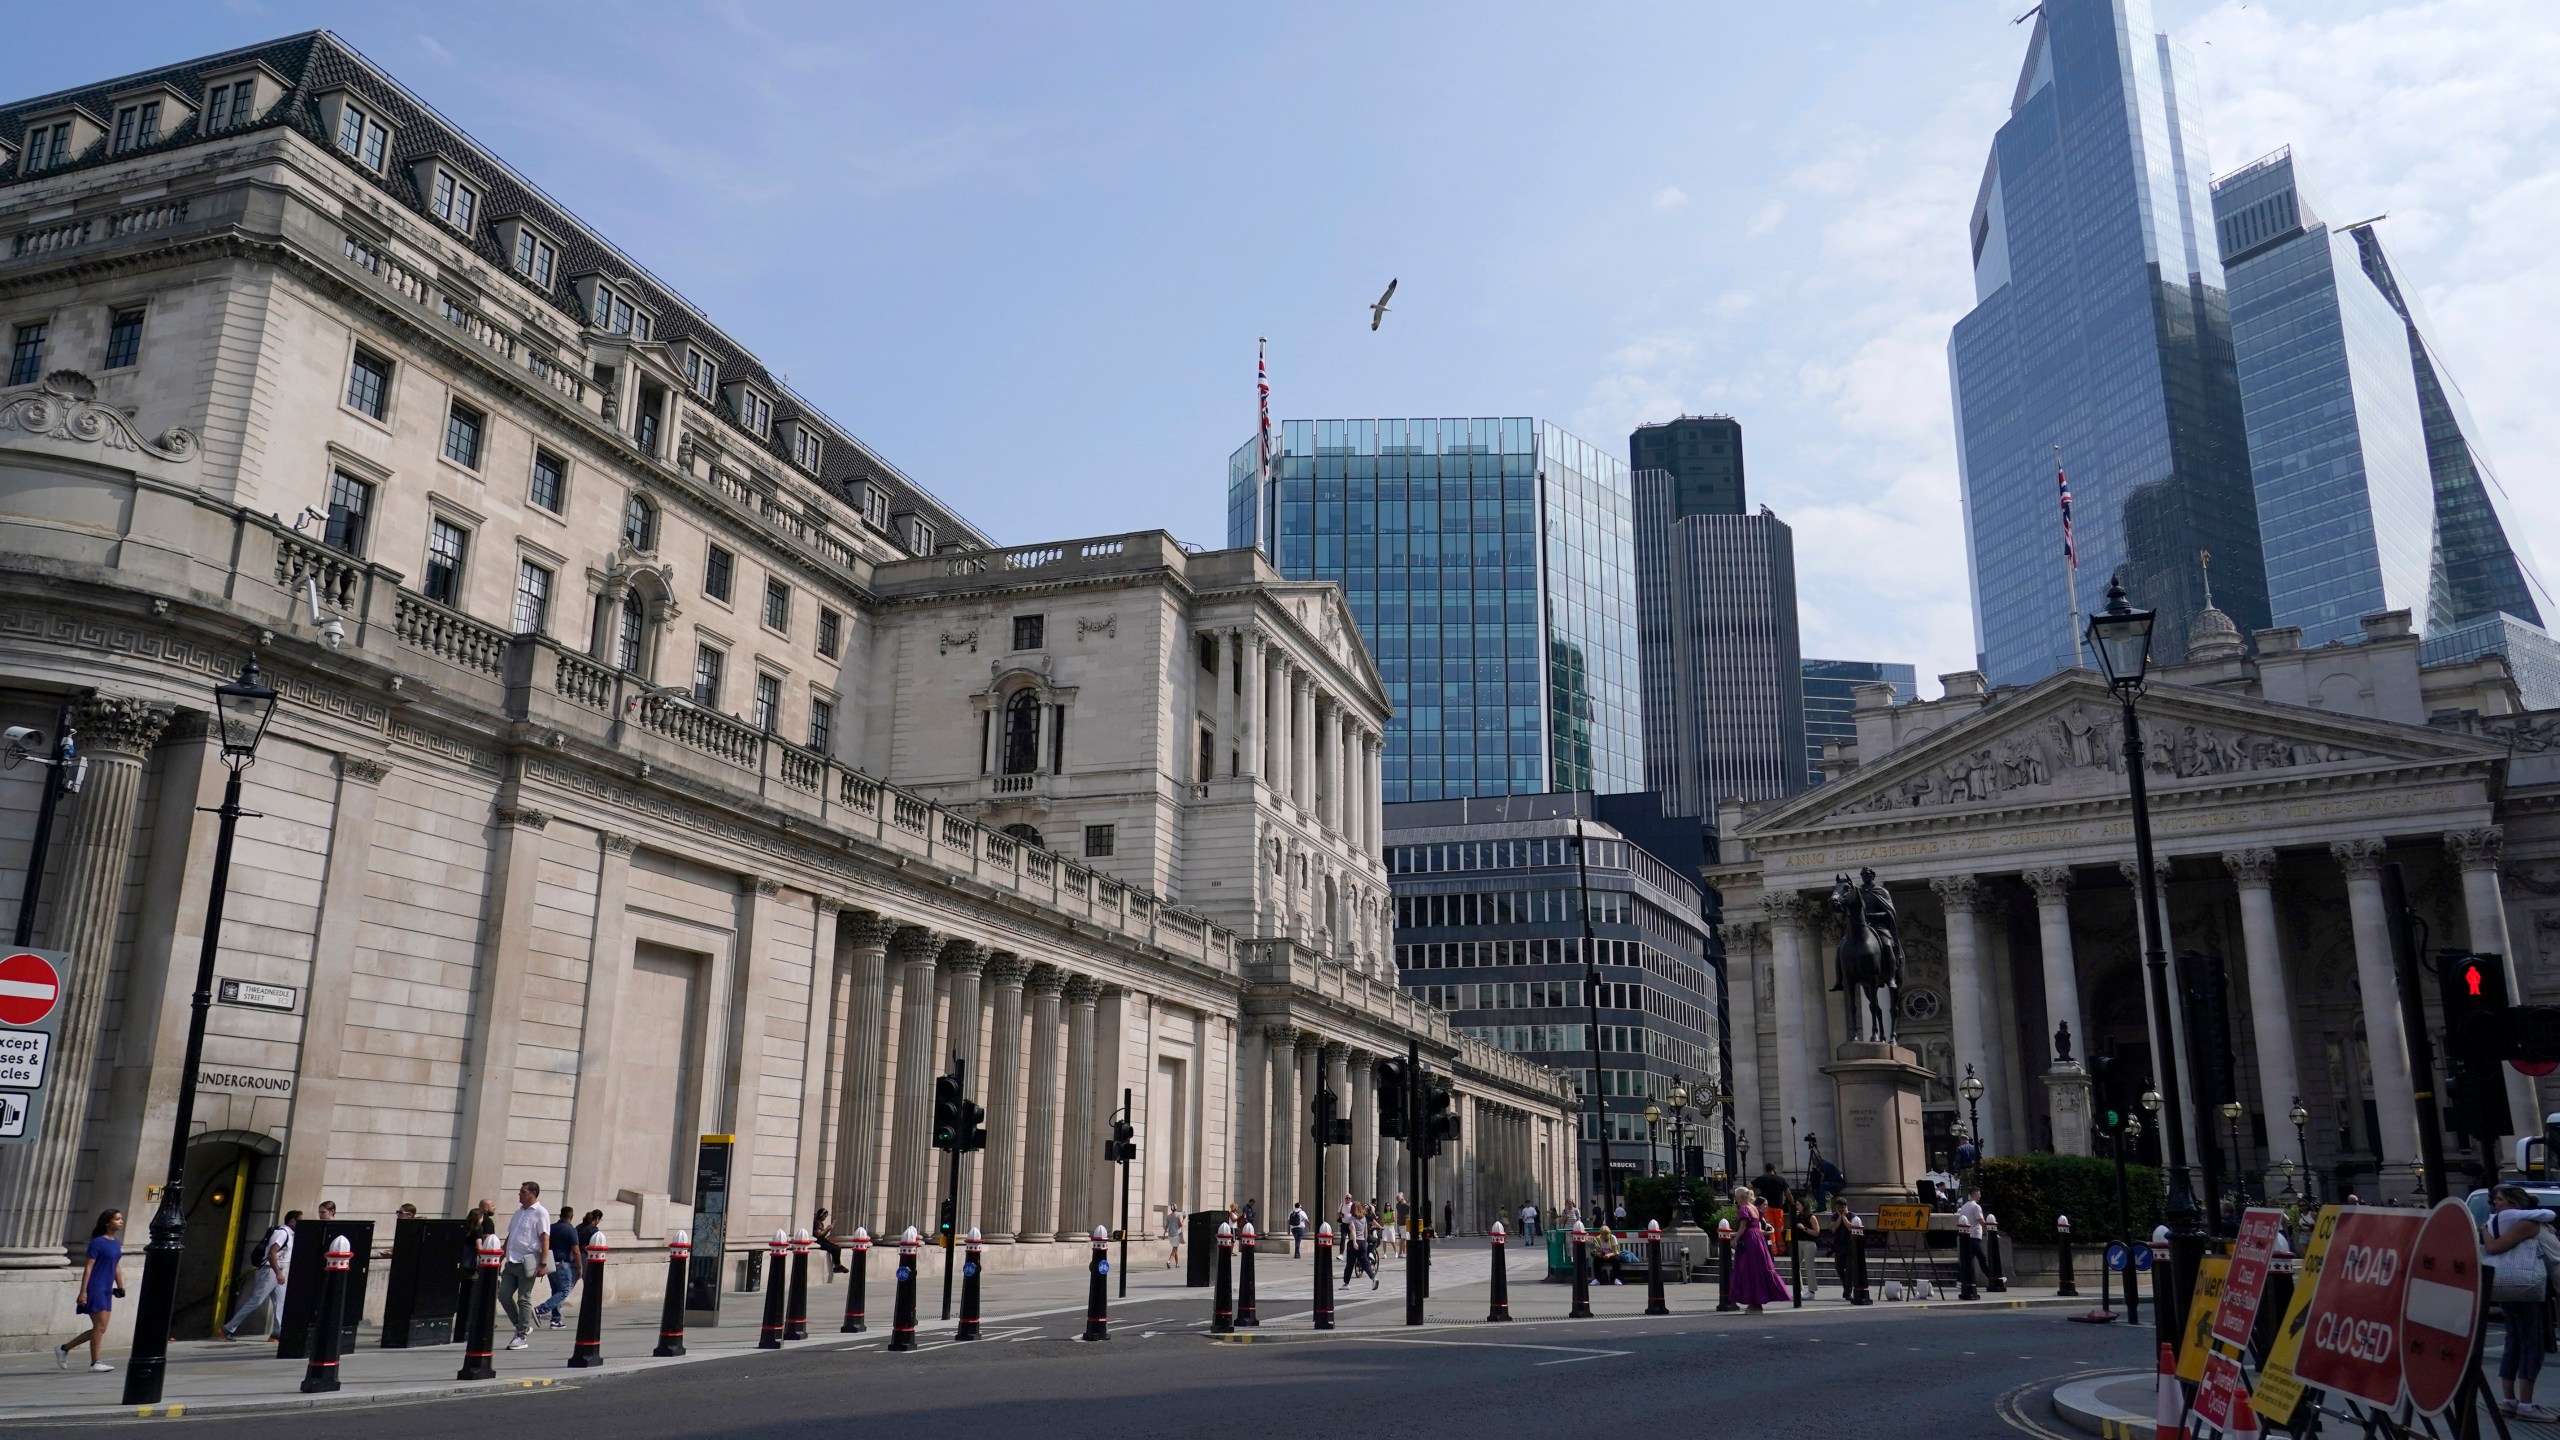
(1723, 673)
(2371, 493)
(1831, 701)
(1703, 456)
(2099, 338)
(1490, 565)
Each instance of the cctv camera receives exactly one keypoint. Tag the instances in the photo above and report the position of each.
(333, 632)
(22, 738)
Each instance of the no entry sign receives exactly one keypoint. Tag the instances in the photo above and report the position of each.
(2441, 1308)
(2351, 1334)
(29, 988)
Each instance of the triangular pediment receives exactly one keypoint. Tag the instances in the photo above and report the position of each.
(2063, 739)
(1323, 615)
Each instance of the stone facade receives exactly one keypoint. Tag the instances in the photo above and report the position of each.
(558, 894)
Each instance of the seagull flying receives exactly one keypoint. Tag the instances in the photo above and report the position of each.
(1378, 311)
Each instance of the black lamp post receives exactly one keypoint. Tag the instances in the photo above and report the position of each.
(1653, 1139)
(242, 708)
(2301, 1119)
(2231, 1113)
(1591, 993)
(1971, 1089)
(2121, 636)
(1679, 1098)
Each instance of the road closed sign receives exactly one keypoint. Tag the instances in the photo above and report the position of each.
(2440, 1310)
(2351, 1333)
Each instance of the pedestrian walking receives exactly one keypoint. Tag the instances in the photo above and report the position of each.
(1252, 1216)
(1398, 1220)
(822, 1233)
(525, 1260)
(1448, 1217)
(266, 1281)
(1360, 1246)
(1770, 1186)
(2520, 1286)
(1297, 1230)
(1172, 1237)
(1528, 1220)
(568, 1258)
(1755, 1270)
(101, 1281)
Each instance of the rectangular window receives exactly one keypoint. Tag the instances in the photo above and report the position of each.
(535, 258)
(217, 108)
(777, 605)
(830, 632)
(444, 562)
(706, 676)
(1207, 766)
(137, 126)
(533, 598)
(350, 505)
(26, 354)
(454, 201)
(1098, 839)
(369, 384)
(822, 724)
(807, 448)
(124, 338)
(244, 97)
(754, 411)
(1030, 632)
(550, 479)
(703, 374)
(717, 568)
(768, 712)
(462, 435)
(360, 135)
(48, 145)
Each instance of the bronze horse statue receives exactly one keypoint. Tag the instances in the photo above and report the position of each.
(1868, 962)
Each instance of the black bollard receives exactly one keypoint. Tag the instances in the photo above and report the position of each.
(858, 1284)
(2132, 1290)
(1991, 1245)
(1324, 1276)
(1795, 1265)
(1654, 1304)
(588, 1352)
(902, 1310)
(969, 1265)
(795, 1316)
(1581, 1274)
(322, 1371)
(1097, 1303)
(1858, 1261)
(1498, 1310)
(1725, 1303)
(671, 1319)
(1222, 1285)
(776, 1291)
(1248, 1316)
(481, 1334)
(2062, 1231)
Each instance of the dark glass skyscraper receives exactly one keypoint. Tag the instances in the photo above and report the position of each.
(1703, 456)
(1723, 677)
(1831, 700)
(2100, 328)
(1489, 564)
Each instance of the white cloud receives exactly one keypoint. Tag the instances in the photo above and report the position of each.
(1669, 198)
(1767, 219)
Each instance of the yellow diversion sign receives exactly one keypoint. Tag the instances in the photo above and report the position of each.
(2197, 1341)
(2279, 1390)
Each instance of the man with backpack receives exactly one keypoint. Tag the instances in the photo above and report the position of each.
(266, 1281)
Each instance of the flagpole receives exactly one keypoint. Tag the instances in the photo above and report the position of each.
(1267, 495)
(2070, 561)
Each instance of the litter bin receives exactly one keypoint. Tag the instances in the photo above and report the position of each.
(429, 1261)
(1559, 1255)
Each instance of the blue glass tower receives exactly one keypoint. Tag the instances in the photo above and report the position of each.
(1490, 564)
(1831, 700)
(2099, 327)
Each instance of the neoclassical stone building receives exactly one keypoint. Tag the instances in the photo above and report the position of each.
(655, 760)
(2281, 782)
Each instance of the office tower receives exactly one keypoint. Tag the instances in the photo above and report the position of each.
(2372, 494)
(2100, 328)
(1723, 677)
(1703, 453)
(1489, 930)
(1831, 701)
(1488, 563)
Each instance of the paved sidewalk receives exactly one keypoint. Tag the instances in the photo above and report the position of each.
(210, 1377)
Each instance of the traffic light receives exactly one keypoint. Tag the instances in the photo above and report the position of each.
(2473, 989)
(946, 1112)
(1122, 1147)
(1392, 1079)
(973, 1126)
(1439, 1115)
(1331, 1128)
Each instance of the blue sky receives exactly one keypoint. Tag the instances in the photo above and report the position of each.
(1025, 251)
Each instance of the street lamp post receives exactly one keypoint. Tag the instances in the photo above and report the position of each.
(2231, 1113)
(2121, 636)
(1653, 1139)
(1971, 1089)
(2301, 1119)
(242, 708)
(1591, 993)
(1680, 1202)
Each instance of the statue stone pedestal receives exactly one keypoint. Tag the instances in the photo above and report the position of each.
(1882, 1151)
(2067, 1098)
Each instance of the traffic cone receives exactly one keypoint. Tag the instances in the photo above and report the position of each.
(2169, 1414)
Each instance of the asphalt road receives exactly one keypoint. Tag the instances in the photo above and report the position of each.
(1874, 1375)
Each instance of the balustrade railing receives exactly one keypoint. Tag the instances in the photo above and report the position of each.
(712, 733)
(49, 238)
(582, 681)
(802, 770)
(449, 635)
(336, 573)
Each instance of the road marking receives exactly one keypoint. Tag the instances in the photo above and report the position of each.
(2008, 1406)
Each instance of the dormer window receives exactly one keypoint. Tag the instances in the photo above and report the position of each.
(808, 447)
(361, 135)
(918, 533)
(748, 407)
(454, 200)
(702, 374)
(56, 139)
(531, 252)
(612, 308)
(873, 502)
(232, 105)
(48, 146)
(137, 125)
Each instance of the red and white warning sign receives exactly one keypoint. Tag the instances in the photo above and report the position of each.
(29, 989)
(2246, 1286)
(2351, 1334)
(2440, 1311)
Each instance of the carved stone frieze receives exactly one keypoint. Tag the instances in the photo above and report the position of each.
(2253, 868)
(65, 406)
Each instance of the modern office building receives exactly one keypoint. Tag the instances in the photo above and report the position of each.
(1703, 454)
(1831, 703)
(1723, 674)
(1490, 566)
(1489, 929)
(2099, 339)
(2372, 492)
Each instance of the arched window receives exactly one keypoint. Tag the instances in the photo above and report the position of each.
(639, 523)
(1022, 733)
(630, 632)
(1028, 835)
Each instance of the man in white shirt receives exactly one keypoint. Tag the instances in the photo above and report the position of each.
(1528, 1219)
(527, 1260)
(1969, 1237)
(266, 1282)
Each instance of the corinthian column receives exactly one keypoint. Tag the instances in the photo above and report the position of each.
(911, 1128)
(1962, 897)
(1006, 971)
(2270, 1000)
(36, 1181)
(859, 1112)
(1796, 1058)
(1284, 1110)
(1363, 1101)
(1040, 1137)
(1083, 991)
(2066, 1089)
(2386, 1040)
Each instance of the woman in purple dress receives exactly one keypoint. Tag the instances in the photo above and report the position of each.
(1755, 1271)
(100, 1283)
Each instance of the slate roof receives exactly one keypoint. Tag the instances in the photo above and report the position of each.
(318, 61)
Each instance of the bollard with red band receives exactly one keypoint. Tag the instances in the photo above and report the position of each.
(1498, 1309)
(671, 1319)
(857, 1283)
(1654, 1303)
(1097, 1301)
(969, 1266)
(1858, 1293)
(1991, 1254)
(902, 1310)
(2062, 1232)
(322, 1372)
(1324, 1276)
(795, 1314)
(1581, 1274)
(776, 1288)
(1247, 1315)
(1222, 1285)
(483, 1331)
(588, 1352)
(1725, 1303)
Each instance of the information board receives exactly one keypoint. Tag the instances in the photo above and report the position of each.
(1902, 1217)
(710, 1227)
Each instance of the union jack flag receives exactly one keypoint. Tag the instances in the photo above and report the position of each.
(2070, 550)
(1262, 386)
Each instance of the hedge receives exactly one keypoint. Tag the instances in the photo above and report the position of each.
(2027, 1191)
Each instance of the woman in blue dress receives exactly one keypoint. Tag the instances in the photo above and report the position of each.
(101, 1281)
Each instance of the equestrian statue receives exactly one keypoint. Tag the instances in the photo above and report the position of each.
(1868, 963)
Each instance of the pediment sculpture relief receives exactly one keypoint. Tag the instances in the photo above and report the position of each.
(64, 406)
